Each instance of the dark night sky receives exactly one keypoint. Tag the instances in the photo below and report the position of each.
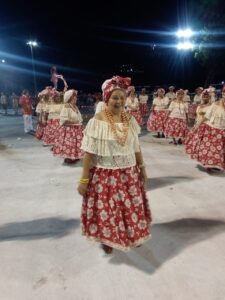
(87, 46)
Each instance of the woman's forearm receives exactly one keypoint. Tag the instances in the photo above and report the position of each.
(87, 164)
(139, 158)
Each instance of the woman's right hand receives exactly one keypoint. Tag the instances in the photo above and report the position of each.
(82, 188)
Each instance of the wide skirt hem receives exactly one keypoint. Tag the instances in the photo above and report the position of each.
(211, 166)
(118, 246)
(68, 156)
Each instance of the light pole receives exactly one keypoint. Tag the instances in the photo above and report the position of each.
(33, 44)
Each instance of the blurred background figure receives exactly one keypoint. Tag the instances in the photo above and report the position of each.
(4, 102)
(55, 77)
(15, 103)
(26, 105)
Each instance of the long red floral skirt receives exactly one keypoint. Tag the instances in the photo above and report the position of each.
(68, 143)
(51, 132)
(40, 131)
(143, 109)
(156, 121)
(137, 115)
(176, 128)
(192, 110)
(207, 145)
(115, 209)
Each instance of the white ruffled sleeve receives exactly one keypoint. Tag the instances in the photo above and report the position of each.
(64, 115)
(210, 111)
(136, 130)
(38, 108)
(171, 106)
(98, 139)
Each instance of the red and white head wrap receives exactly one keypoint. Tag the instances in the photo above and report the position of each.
(68, 94)
(161, 90)
(116, 82)
(180, 92)
(130, 89)
(206, 92)
(211, 89)
(45, 92)
(53, 93)
(200, 89)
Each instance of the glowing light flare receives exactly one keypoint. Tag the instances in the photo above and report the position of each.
(184, 33)
(32, 43)
(185, 46)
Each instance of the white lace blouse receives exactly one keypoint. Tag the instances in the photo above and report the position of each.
(132, 105)
(178, 109)
(143, 99)
(109, 154)
(216, 116)
(70, 114)
(54, 110)
(160, 103)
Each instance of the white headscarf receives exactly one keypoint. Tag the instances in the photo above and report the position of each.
(68, 94)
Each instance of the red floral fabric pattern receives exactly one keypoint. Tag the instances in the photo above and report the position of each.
(137, 116)
(68, 143)
(207, 145)
(115, 210)
(51, 132)
(143, 109)
(156, 121)
(39, 131)
(176, 128)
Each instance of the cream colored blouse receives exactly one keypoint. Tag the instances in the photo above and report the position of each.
(41, 107)
(178, 109)
(143, 99)
(54, 110)
(200, 113)
(132, 105)
(68, 113)
(216, 116)
(99, 140)
(160, 103)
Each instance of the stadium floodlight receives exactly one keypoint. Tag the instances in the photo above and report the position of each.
(184, 33)
(32, 43)
(185, 46)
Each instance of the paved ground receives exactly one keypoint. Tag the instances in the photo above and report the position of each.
(44, 257)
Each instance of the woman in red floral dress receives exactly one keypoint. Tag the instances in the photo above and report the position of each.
(43, 100)
(68, 143)
(176, 124)
(115, 209)
(207, 144)
(143, 103)
(132, 105)
(52, 116)
(158, 115)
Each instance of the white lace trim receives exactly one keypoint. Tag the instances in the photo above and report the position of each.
(114, 162)
(100, 140)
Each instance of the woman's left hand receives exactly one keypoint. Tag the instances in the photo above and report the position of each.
(143, 175)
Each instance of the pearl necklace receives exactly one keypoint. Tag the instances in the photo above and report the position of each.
(125, 121)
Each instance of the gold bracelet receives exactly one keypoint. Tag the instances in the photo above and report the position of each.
(84, 180)
(141, 166)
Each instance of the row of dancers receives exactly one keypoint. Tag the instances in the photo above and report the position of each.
(115, 209)
(60, 123)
